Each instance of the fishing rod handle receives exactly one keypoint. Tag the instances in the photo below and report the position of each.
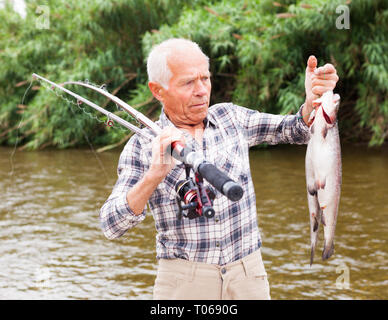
(220, 181)
(207, 170)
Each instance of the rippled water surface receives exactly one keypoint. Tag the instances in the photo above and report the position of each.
(51, 245)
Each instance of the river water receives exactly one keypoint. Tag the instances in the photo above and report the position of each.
(51, 245)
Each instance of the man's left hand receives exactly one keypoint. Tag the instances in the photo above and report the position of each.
(319, 80)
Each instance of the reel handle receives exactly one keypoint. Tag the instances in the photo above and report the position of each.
(221, 181)
(208, 212)
(209, 171)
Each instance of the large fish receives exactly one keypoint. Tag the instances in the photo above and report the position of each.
(323, 171)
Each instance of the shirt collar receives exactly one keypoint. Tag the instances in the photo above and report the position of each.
(166, 122)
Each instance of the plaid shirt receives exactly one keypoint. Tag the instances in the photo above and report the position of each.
(233, 232)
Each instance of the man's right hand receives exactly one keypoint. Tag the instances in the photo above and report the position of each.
(162, 162)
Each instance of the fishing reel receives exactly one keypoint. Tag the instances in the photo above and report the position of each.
(194, 200)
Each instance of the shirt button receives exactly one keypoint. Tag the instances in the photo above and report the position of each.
(223, 270)
(217, 220)
(217, 244)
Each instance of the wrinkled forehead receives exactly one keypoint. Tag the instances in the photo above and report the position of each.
(188, 60)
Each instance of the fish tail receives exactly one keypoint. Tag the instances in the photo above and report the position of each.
(327, 251)
(313, 244)
(316, 224)
(312, 254)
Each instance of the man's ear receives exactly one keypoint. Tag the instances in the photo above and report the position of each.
(157, 90)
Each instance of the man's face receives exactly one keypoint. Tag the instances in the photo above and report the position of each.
(187, 98)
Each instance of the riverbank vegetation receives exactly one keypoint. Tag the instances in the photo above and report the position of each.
(258, 51)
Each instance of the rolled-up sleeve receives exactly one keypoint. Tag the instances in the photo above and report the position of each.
(268, 128)
(116, 217)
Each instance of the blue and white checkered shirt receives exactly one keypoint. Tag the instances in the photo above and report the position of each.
(233, 233)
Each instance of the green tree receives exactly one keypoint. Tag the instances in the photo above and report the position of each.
(258, 52)
(96, 40)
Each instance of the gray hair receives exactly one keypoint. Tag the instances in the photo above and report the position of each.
(157, 66)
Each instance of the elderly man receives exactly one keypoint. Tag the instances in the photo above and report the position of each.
(219, 257)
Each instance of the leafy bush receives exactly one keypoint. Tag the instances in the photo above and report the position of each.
(96, 40)
(258, 52)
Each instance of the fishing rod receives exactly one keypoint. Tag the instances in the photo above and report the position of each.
(189, 191)
(110, 115)
(126, 107)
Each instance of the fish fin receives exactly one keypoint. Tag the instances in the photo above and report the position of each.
(320, 184)
(311, 120)
(336, 98)
(313, 244)
(312, 191)
(317, 102)
(324, 132)
(312, 255)
(316, 224)
(314, 239)
(323, 221)
(323, 184)
(327, 252)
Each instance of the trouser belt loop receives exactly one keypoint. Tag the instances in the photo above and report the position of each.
(192, 271)
(246, 267)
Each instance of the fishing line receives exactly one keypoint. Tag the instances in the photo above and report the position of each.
(301, 117)
(192, 160)
(91, 147)
(78, 104)
(17, 130)
(109, 122)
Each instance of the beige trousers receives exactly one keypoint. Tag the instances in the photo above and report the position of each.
(179, 279)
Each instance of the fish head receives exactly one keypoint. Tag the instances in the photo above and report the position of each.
(329, 103)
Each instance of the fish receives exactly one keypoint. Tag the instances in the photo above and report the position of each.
(323, 167)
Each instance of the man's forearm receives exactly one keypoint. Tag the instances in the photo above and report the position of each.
(138, 196)
(307, 109)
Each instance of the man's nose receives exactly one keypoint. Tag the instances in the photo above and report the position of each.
(200, 88)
